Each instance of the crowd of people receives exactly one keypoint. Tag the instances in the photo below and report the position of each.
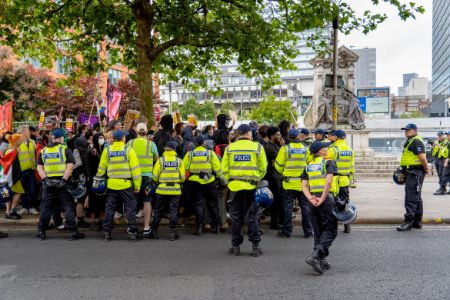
(210, 173)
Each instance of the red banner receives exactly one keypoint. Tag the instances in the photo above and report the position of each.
(6, 117)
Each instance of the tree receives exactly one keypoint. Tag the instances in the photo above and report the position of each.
(207, 111)
(273, 111)
(227, 106)
(191, 106)
(180, 39)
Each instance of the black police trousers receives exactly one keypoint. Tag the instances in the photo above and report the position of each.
(413, 195)
(289, 197)
(53, 198)
(445, 178)
(113, 197)
(325, 225)
(276, 208)
(161, 203)
(243, 208)
(205, 195)
(439, 164)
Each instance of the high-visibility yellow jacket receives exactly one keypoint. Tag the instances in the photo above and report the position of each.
(202, 160)
(408, 157)
(244, 164)
(290, 162)
(170, 173)
(317, 174)
(443, 150)
(121, 165)
(344, 157)
(27, 155)
(54, 159)
(147, 154)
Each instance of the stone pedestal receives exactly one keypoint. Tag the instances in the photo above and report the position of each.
(358, 140)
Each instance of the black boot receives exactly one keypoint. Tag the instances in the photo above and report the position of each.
(3, 235)
(153, 234)
(41, 235)
(404, 227)
(76, 235)
(199, 231)
(417, 225)
(174, 235)
(439, 192)
(324, 264)
(81, 223)
(256, 251)
(347, 228)
(235, 251)
(314, 261)
(108, 236)
(217, 229)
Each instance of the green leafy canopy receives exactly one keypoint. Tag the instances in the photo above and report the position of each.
(179, 39)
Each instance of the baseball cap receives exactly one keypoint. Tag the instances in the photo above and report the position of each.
(409, 127)
(141, 126)
(316, 146)
(57, 133)
(118, 134)
(319, 131)
(293, 132)
(172, 145)
(304, 131)
(112, 123)
(199, 140)
(440, 133)
(339, 133)
(244, 128)
(253, 125)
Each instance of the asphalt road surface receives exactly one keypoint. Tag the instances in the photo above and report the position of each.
(370, 263)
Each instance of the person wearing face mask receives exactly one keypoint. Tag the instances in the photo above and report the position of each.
(95, 203)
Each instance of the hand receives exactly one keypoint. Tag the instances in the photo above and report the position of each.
(319, 201)
(428, 170)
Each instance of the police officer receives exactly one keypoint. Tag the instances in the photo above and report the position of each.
(446, 168)
(55, 166)
(344, 157)
(244, 164)
(27, 159)
(169, 172)
(203, 167)
(320, 136)
(290, 163)
(320, 187)
(147, 154)
(305, 138)
(120, 163)
(440, 153)
(415, 165)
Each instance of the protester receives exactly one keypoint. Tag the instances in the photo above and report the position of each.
(162, 136)
(14, 141)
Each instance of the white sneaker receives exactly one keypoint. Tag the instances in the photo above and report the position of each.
(60, 227)
(140, 214)
(33, 211)
(22, 211)
(117, 215)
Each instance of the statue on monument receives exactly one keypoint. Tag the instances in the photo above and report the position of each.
(319, 112)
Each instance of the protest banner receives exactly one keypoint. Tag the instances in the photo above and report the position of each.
(69, 124)
(41, 120)
(130, 117)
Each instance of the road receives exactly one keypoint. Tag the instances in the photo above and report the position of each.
(370, 263)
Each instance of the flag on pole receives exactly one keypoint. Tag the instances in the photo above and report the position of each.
(6, 167)
(114, 97)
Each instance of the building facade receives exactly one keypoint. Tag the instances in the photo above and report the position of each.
(441, 50)
(366, 68)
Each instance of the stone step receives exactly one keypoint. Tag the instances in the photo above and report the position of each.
(376, 163)
(368, 171)
(373, 175)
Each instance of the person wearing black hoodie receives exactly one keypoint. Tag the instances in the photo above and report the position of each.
(79, 175)
(284, 126)
(162, 136)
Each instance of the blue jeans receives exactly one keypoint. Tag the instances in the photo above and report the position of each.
(29, 184)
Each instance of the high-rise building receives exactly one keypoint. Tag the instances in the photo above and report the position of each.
(366, 68)
(408, 77)
(441, 50)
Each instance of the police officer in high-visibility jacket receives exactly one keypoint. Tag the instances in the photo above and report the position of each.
(120, 164)
(203, 167)
(55, 165)
(27, 159)
(290, 163)
(344, 157)
(440, 153)
(147, 154)
(169, 172)
(320, 186)
(414, 164)
(244, 164)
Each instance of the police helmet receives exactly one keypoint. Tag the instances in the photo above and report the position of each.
(399, 176)
(99, 185)
(263, 195)
(150, 188)
(77, 191)
(347, 215)
(5, 193)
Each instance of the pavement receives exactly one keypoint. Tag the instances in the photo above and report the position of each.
(373, 262)
(379, 201)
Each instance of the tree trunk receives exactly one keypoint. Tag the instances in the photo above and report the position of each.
(144, 64)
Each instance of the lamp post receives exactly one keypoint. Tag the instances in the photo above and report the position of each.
(335, 67)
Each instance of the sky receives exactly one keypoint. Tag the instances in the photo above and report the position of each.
(402, 46)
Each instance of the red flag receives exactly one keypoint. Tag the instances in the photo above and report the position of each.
(6, 116)
(6, 163)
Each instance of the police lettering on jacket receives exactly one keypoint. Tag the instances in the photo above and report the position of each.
(242, 157)
(170, 164)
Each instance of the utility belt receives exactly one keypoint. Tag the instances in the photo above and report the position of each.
(288, 178)
(57, 182)
(413, 168)
(203, 175)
